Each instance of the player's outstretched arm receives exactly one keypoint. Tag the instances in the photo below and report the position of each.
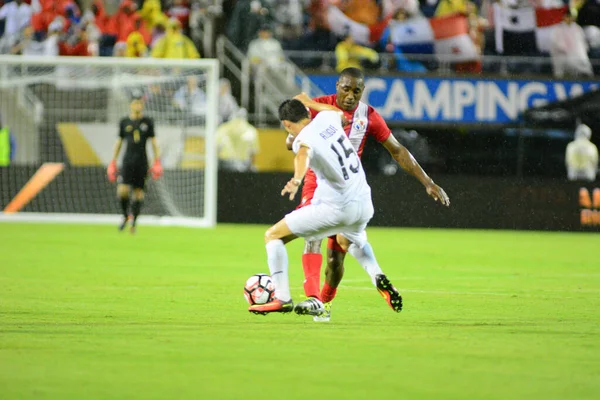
(410, 165)
(301, 164)
(318, 107)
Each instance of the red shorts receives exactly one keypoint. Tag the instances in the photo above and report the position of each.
(308, 191)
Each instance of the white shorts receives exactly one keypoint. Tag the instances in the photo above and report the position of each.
(320, 220)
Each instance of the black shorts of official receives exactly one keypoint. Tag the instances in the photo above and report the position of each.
(134, 175)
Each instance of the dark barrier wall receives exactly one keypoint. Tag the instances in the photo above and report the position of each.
(477, 202)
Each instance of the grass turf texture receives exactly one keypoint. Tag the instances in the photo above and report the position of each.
(88, 313)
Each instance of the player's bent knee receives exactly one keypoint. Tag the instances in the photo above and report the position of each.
(271, 234)
(123, 191)
(138, 194)
(343, 242)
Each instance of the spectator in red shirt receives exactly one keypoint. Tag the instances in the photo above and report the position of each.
(125, 20)
(105, 23)
(181, 11)
(42, 19)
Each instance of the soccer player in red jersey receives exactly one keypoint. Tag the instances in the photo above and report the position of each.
(363, 121)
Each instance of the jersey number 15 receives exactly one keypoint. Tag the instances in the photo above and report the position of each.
(342, 160)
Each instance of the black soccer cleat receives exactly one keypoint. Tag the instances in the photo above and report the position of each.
(389, 292)
(311, 306)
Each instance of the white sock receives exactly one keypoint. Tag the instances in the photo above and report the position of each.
(366, 258)
(277, 259)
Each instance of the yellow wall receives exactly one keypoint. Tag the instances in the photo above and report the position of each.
(273, 155)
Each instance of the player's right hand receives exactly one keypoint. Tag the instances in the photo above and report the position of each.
(438, 194)
(111, 171)
(291, 187)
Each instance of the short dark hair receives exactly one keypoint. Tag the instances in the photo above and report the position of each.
(292, 110)
(352, 72)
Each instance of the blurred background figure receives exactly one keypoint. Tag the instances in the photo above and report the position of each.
(120, 49)
(136, 44)
(17, 16)
(174, 44)
(246, 19)
(237, 143)
(7, 145)
(265, 49)
(570, 49)
(151, 13)
(28, 46)
(191, 99)
(228, 105)
(349, 54)
(582, 156)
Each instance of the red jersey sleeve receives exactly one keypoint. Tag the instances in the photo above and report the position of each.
(377, 126)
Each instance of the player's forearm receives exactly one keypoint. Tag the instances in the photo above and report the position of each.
(156, 150)
(117, 150)
(320, 106)
(301, 163)
(410, 165)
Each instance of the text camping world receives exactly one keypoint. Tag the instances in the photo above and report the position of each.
(434, 99)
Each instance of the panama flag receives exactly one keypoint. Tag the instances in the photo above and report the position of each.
(546, 20)
(515, 30)
(524, 31)
(452, 38)
(413, 36)
(443, 36)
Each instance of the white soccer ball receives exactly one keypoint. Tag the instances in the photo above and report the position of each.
(259, 289)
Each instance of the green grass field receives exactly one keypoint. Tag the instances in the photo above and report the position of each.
(88, 313)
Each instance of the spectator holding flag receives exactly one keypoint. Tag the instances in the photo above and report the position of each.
(569, 49)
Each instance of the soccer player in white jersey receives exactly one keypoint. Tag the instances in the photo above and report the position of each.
(341, 204)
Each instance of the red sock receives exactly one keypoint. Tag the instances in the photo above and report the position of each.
(328, 293)
(312, 274)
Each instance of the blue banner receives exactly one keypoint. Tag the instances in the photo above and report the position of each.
(455, 100)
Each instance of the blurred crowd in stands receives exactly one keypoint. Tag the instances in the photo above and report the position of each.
(386, 34)
(416, 36)
(85, 28)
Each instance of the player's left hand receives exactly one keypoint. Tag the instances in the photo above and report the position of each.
(291, 187)
(438, 194)
(156, 170)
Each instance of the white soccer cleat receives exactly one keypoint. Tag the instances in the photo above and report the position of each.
(325, 315)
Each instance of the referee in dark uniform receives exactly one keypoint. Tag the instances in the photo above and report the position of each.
(134, 130)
